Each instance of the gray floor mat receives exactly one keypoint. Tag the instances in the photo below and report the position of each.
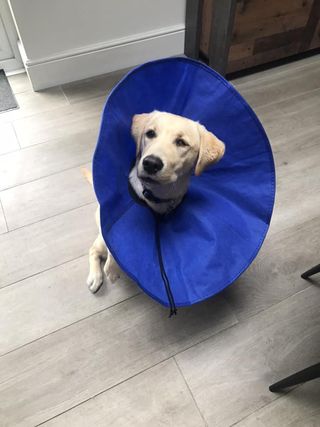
(7, 98)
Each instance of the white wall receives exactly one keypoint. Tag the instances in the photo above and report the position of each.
(66, 40)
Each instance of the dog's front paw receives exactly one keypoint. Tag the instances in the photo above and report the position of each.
(94, 281)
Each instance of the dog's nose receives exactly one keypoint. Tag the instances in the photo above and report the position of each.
(152, 164)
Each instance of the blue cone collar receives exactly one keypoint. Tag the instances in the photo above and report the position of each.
(218, 229)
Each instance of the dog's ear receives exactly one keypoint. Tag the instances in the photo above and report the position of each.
(138, 125)
(211, 150)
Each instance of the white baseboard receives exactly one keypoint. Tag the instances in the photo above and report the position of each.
(103, 58)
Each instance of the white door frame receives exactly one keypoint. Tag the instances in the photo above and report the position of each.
(14, 61)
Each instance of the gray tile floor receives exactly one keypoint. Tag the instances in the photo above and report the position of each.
(68, 358)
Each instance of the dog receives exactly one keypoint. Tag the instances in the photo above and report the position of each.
(169, 148)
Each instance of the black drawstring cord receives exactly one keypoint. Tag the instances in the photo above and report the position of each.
(173, 308)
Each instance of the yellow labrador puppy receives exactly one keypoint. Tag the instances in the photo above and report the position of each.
(169, 149)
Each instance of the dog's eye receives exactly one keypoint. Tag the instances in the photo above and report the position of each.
(180, 142)
(151, 133)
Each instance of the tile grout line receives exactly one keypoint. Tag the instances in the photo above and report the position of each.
(172, 356)
(276, 72)
(240, 321)
(283, 394)
(46, 176)
(77, 165)
(100, 311)
(4, 216)
(267, 308)
(298, 224)
(67, 326)
(24, 147)
(138, 373)
(50, 217)
(100, 96)
(15, 133)
(27, 116)
(190, 391)
(132, 376)
(88, 98)
(10, 230)
(51, 110)
(37, 144)
(120, 382)
(268, 104)
(42, 271)
(105, 390)
(82, 255)
(64, 94)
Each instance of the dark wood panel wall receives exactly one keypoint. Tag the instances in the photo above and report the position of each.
(237, 34)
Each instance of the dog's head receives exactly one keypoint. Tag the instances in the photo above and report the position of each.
(171, 146)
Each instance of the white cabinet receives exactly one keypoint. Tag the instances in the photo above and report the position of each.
(10, 59)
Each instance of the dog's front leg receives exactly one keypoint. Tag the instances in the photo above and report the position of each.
(97, 253)
(111, 269)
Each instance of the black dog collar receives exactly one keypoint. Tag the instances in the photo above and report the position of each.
(154, 199)
(148, 194)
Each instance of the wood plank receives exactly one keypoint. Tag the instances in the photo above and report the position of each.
(206, 19)
(289, 150)
(57, 372)
(46, 244)
(31, 103)
(264, 57)
(311, 26)
(46, 197)
(263, 44)
(220, 35)
(193, 28)
(293, 128)
(240, 50)
(45, 159)
(249, 11)
(298, 187)
(299, 408)
(8, 141)
(280, 68)
(234, 369)
(263, 26)
(92, 88)
(275, 273)
(275, 88)
(62, 122)
(52, 300)
(3, 224)
(315, 42)
(157, 397)
(291, 117)
(275, 29)
(257, 19)
(20, 83)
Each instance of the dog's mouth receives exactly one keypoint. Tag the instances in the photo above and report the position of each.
(148, 180)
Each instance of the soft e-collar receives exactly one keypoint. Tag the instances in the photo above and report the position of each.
(215, 233)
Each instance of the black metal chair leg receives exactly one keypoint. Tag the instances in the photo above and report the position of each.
(311, 272)
(307, 374)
